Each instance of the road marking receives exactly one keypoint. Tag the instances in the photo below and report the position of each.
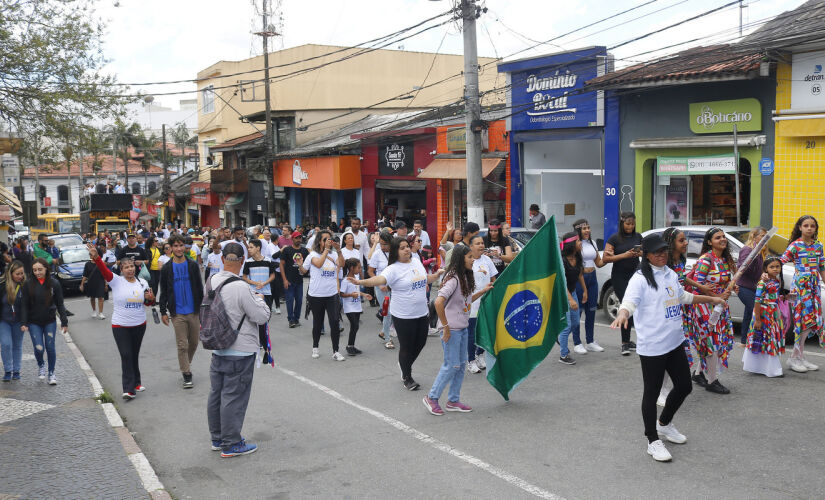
(427, 439)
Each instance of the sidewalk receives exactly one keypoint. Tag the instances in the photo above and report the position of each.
(55, 441)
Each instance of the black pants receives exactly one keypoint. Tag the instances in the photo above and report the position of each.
(262, 327)
(619, 282)
(412, 335)
(675, 363)
(353, 318)
(128, 340)
(155, 281)
(277, 287)
(319, 306)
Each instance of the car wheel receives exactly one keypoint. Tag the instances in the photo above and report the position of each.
(611, 303)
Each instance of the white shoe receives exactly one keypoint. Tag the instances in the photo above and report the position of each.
(94, 314)
(593, 346)
(796, 365)
(662, 400)
(481, 362)
(579, 349)
(432, 332)
(670, 433)
(101, 315)
(52, 380)
(315, 353)
(277, 310)
(472, 367)
(657, 450)
(810, 366)
(337, 356)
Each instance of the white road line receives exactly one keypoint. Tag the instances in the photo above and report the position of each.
(424, 438)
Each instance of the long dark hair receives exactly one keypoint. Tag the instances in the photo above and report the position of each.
(349, 264)
(456, 269)
(647, 271)
(670, 235)
(316, 244)
(395, 246)
(765, 270)
(577, 226)
(622, 218)
(797, 228)
(569, 248)
(47, 284)
(500, 239)
(706, 247)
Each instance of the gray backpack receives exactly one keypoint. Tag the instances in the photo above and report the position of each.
(216, 331)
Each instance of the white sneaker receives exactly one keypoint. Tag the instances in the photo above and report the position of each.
(277, 310)
(579, 349)
(52, 379)
(432, 332)
(593, 346)
(101, 315)
(315, 353)
(41, 372)
(662, 400)
(796, 365)
(337, 356)
(392, 332)
(657, 450)
(94, 314)
(810, 366)
(472, 367)
(670, 433)
(481, 362)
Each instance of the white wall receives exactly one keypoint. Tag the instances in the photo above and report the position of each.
(51, 184)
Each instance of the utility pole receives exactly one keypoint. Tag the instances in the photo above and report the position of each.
(740, 17)
(268, 140)
(165, 186)
(475, 205)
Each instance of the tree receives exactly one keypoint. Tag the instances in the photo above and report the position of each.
(126, 136)
(50, 62)
(181, 137)
(93, 140)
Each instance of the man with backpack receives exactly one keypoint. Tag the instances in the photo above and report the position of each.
(230, 302)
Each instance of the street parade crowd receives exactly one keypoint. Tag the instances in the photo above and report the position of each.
(219, 287)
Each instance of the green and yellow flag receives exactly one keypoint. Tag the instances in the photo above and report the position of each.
(521, 317)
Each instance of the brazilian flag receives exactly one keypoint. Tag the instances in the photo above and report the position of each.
(521, 317)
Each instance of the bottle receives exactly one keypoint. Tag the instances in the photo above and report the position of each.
(716, 314)
(385, 307)
(155, 316)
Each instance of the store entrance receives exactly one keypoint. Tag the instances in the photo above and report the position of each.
(401, 200)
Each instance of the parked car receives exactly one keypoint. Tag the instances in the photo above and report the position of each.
(70, 271)
(65, 240)
(609, 302)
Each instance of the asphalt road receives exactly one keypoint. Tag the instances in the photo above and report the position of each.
(349, 430)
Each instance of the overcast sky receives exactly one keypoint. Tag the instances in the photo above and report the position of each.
(162, 40)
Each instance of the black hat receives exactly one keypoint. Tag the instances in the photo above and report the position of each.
(653, 243)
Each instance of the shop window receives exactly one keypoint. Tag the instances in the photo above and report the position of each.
(42, 191)
(152, 187)
(252, 90)
(63, 193)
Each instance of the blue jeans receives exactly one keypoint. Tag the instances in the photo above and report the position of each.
(748, 297)
(294, 300)
(44, 335)
(572, 322)
(387, 322)
(472, 349)
(588, 309)
(11, 344)
(452, 370)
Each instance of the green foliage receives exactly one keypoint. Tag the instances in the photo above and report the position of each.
(104, 397)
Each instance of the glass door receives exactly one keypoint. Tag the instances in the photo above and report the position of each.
(673, 201)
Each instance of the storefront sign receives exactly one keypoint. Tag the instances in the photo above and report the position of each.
(11, 169)
(152, 209)
(766, 166)
(201, 194)
(396, 159)
(298, 174)
(457, 139)
(700, 165)
(808, 81)
(550, 96)
(720, 116)
(47, 201)
(327, 172)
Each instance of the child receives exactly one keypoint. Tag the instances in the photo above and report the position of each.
(766, 338)
(351, 296)
(806, 254)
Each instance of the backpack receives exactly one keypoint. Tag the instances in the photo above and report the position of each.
(216, 331)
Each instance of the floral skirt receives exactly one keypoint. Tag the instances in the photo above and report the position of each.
(709, 339)
(769, 338)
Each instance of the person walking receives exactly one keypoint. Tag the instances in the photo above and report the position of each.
(655, 298)
(94, 286)
(747, 282)
(623, 250)
(259, 273)
(377, 263)
(484, 273)
(590, 261)
(453, 304)
(537, 218)
(323, 264)
(153, 262)
(765, 341)
(130, 295)
(11, 316)
(408, 306)
(351, 296)
(131, 251)
(571, 247)
(270, 249)
(181, 295)
(43, 300)
(292, 271)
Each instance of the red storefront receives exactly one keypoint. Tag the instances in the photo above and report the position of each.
(208, 201)
(389, 173)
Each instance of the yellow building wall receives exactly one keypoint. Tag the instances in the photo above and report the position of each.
(799, 175)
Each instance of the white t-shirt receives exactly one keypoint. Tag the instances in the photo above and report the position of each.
(589, 254)
(127, 299)
(350, 254)
(196, 248)
(351, 304)
(425, 238)
(378, 261)
(245, 252)
(268, 248)
(163, 259)
(361, 242)
(322, 280)
(483, 271)
(109, 257)
(658, 315)
(214, 263)
(408, 282)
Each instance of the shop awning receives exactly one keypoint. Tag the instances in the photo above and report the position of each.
(236, 199)
(8, 197)
(714, 141)
(147, 216)
(444, 168)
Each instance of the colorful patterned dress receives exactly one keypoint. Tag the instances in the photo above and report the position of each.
(716, 273)
(679, 269)
(807, 311)
(769, 339)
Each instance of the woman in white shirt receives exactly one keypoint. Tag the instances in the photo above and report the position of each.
(408, 307)
(348, 249)
(592, 260)
(379, 259)
(654, 298)
(323, 264)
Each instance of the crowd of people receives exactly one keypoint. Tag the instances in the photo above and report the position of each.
(683, 325)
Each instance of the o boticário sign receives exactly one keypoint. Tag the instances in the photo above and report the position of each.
(719, 116)
(698, 165)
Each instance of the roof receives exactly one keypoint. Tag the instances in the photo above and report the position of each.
(59, 169)
(238, 141)
(804, 24)
(711, 63)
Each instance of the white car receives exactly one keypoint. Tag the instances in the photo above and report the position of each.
(695, 234)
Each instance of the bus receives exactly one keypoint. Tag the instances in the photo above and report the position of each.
(50, 224)
(112, 224)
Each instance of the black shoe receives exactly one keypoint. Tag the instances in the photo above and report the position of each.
(187, 381)
(353, 351)
(567, 360)
(380, 318)
(717, 388)
(292, 324)
(632, 346)
(700, 380)
(411, 385)
(297, 324)
(626, 349)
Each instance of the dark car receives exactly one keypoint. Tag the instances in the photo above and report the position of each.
(70, 271)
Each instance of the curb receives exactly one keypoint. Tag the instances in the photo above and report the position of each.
(144, 469)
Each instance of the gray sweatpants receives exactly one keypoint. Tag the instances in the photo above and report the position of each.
(231, 379)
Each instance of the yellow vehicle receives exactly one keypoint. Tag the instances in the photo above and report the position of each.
(50, 224)
(112, 224)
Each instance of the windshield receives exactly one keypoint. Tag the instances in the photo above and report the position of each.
(113, 226)
(68, 225)
(67, 240)
(77, 254)
(522, 236)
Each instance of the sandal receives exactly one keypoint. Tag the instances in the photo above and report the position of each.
(381, 335)
(389, 345)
